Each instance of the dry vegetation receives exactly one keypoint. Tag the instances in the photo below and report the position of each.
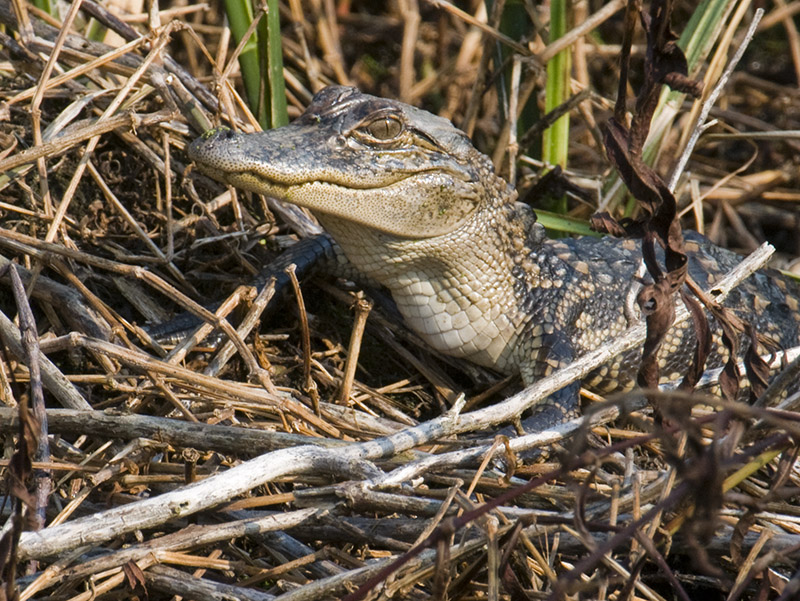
(176, 472)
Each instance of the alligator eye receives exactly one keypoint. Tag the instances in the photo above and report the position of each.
(384, 128)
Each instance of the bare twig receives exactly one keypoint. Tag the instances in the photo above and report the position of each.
(53, 379)
(225, 439)
(30, 342)
(362, 307)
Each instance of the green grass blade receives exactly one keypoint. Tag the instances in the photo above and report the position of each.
(555, 141)
(48, 6)
(275, 97)
(564, 224)
(240, 15)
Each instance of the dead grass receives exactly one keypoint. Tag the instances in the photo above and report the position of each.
(304, 499)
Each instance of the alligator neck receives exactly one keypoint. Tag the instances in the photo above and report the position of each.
(456, 291)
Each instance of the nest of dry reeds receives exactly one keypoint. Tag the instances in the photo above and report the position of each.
(269, 467)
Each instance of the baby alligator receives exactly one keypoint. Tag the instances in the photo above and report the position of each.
(416, 208)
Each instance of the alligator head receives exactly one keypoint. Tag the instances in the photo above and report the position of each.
(372, 161)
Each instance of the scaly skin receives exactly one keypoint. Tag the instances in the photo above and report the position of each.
(416, 207)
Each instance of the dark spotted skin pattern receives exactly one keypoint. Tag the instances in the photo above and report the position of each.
(415, 207)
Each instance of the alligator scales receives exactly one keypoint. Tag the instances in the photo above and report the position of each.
(414, 206)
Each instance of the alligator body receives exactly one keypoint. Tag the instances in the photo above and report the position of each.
(416, 208)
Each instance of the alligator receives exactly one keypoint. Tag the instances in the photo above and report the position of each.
(416, 208)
